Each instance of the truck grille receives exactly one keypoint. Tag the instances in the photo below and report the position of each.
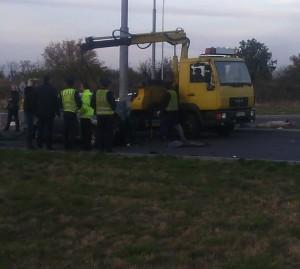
(237, 102)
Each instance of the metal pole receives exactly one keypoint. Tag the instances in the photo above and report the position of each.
(163, 45)
(153, 45)
(123, 89)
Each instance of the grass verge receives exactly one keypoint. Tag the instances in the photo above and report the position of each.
(80, 210)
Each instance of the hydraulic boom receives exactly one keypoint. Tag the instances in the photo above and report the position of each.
(172, 37)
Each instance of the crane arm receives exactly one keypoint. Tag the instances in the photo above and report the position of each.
(172, 37)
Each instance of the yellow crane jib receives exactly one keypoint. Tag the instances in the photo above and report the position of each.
(172, 37)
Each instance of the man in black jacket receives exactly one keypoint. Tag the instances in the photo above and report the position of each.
(30, 111)
(13, 108)
(47, 106)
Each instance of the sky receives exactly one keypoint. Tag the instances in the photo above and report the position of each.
(28, 26)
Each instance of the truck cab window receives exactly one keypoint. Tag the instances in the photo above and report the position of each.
(197, 73)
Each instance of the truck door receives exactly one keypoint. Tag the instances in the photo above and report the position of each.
(199, 91)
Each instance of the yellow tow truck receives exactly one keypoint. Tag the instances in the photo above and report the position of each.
(214, 89)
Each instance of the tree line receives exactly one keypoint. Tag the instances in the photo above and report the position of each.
(271, 85)
(63, 59)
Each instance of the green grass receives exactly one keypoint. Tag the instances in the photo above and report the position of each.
(278, 108)
(62, 210)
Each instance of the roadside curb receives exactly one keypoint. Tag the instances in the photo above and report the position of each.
(200, 158)
(277, 116)
(163, 155)
(257, 130)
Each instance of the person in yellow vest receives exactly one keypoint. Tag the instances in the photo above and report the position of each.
(104, 105)
(86, 113)
(170, 116)
(71, 103)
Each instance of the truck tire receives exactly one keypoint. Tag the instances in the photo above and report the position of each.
(191, 125)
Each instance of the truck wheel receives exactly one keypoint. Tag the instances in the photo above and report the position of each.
(191, 125)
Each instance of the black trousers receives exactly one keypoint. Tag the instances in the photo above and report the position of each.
(45, 132)
(12, 114)
(70, 129)
(168, 121)
(86, 133)
(104, 134)
(30, 131)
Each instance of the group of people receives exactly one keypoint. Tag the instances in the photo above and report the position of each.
(42, 104)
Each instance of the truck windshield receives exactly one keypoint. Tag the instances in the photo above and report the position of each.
(233, 73)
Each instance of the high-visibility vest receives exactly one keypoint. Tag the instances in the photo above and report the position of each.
(173, 103)
(86, 111)
(102, 106)
(68, 100)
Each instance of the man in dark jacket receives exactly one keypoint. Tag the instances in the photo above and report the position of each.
(30, 111)
(47, 106)
(13, 108)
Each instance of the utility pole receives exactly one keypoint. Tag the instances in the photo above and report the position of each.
(163, 45)
(123, 89)
(153, 45)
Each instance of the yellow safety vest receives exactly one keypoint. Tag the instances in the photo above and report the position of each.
(173, 103)
(86, 111)
(102, 106)
(68, 100)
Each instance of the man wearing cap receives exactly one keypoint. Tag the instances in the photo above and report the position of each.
(104, 104)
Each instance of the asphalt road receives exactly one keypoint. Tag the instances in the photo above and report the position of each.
(263, 145)
(250, 143)
(279, 145)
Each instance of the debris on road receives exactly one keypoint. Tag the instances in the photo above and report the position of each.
(279, 124)
(180, 144)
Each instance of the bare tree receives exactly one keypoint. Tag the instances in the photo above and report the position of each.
(145, 70)
(13, 69)
(66, 59)
(258, 59)
(2, 74)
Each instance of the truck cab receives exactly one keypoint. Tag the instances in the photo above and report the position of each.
(215, 91)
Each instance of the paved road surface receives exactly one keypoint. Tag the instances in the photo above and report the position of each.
(269, 145)
(249, 144)
(256, 144)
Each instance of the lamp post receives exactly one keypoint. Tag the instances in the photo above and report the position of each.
(163, 45)
(153, 45)
(123, 89)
